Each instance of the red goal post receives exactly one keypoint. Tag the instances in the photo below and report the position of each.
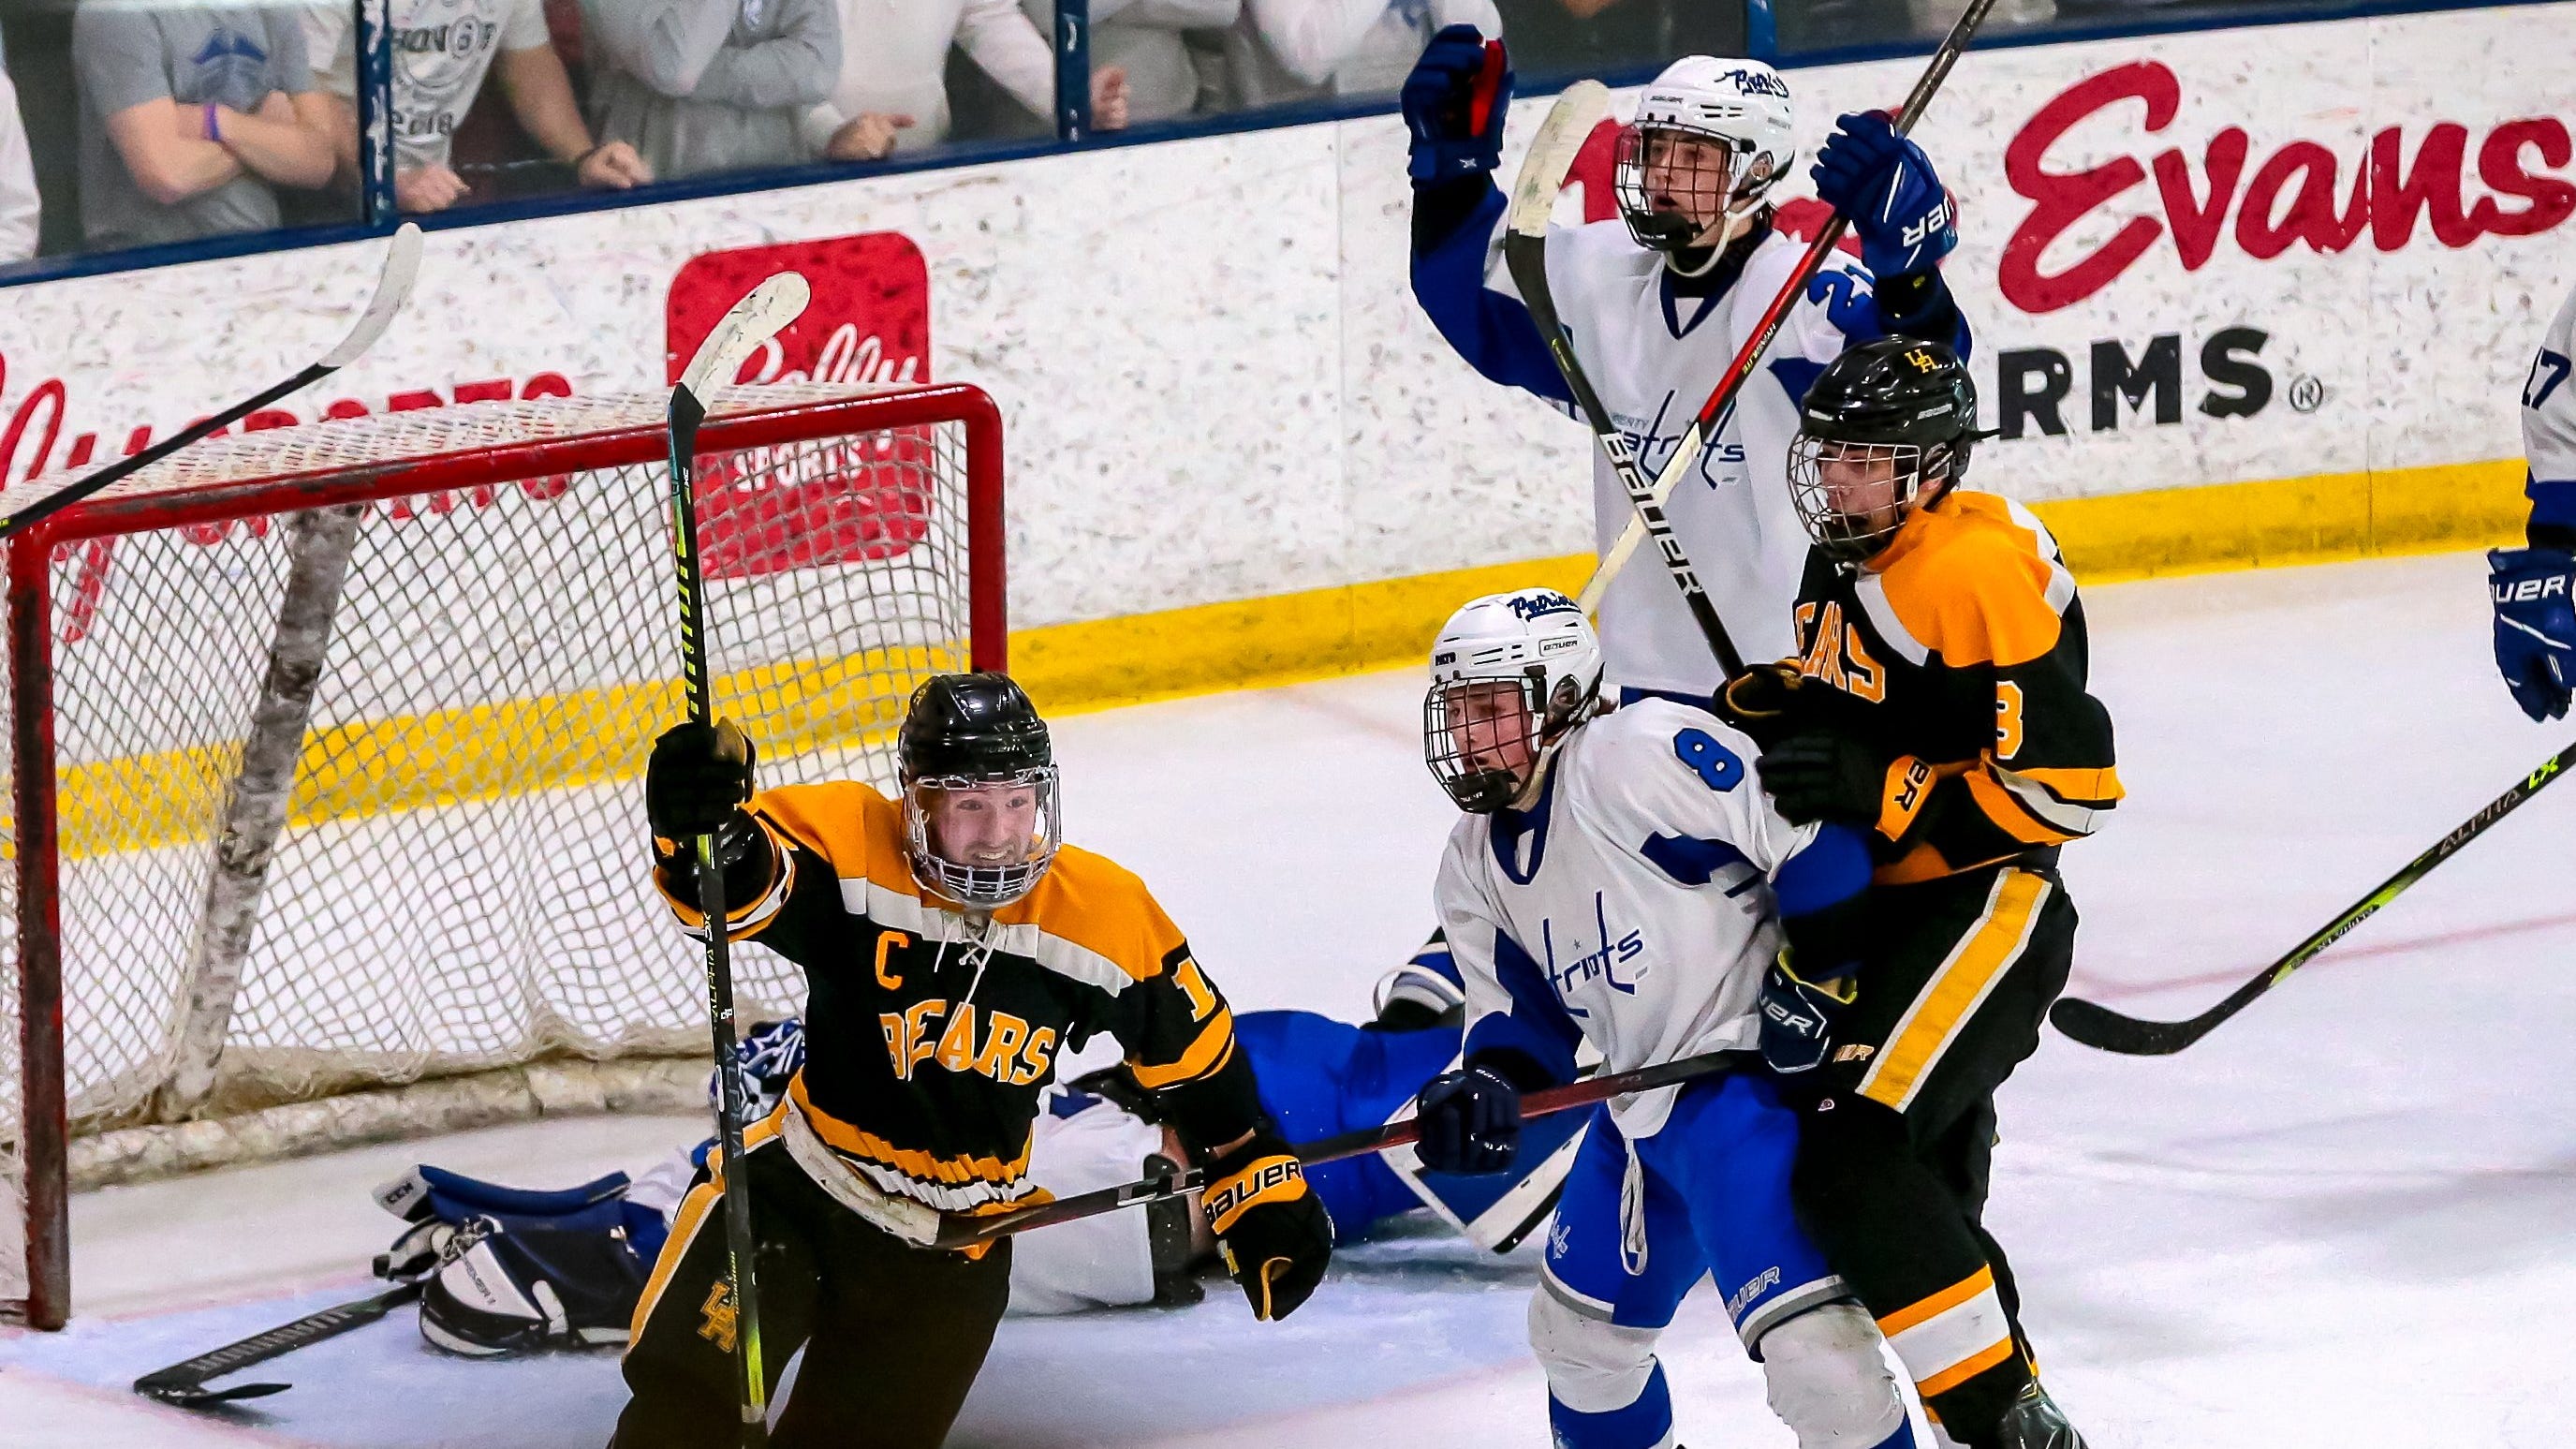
(322, 754)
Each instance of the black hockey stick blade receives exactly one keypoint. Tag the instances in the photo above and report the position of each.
(393, 289)
(965, 1232)
(183, 1385)
(2096, 1025)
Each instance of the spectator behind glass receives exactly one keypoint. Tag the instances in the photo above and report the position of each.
(1604, 38)
(1148, 40)
(190, 116)
(18, 205)
(1294, 50)
(892, 92)
(442, 50)
(700, 86)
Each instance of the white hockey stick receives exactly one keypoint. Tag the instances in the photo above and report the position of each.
(754, 320)
(393, 289)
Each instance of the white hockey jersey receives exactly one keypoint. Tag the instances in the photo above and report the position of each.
(1655, 357)
(2549, 410)
(1631, 906)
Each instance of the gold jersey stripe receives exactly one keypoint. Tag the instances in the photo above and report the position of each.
(924, 1167)
(1954, 992)
(1214, 1047)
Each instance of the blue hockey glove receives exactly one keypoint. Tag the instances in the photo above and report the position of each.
(1884, 183)
(1798, 1017)
(2535, 626)
(1471, 1122)
(1454, 104)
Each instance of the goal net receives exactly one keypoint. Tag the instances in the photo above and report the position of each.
(324, 819)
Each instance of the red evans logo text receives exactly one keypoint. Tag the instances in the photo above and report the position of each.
(846, 500)
(2297, 193)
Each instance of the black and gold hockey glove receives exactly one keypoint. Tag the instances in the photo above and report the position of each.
(1833, 777)
(696, 777)
(1270, 1226)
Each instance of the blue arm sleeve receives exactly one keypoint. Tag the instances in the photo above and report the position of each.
(1492, 331)
(1831, 870)
(1536, 1027)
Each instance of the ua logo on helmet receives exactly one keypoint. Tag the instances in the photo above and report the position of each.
(1539, 605)
(1446, 656)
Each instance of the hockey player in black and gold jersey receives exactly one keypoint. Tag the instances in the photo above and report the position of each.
(952, 948)
(1939, 702)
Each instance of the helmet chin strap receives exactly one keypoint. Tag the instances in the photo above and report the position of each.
(1737, 224)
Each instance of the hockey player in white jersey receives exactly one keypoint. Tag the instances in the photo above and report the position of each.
(1658, 302)
(2535, 621)
(1620, 878)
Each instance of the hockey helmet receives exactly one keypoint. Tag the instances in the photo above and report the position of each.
(980, 789)
(1510, 674)
(1710, 140)
(1884, 422)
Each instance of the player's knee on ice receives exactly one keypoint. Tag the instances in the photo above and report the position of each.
(1827, 1381)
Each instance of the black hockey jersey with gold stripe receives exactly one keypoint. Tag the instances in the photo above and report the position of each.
(927, 1042)
(1965, 641)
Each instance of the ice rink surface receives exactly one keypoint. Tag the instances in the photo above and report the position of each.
(2348, 1217)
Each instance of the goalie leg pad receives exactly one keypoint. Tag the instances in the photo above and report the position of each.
(521, 1286)
(1828, 1382)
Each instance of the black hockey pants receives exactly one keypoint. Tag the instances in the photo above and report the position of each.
(1897, 1137)
(893, 1334)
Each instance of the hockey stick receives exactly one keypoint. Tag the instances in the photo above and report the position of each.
(183, 1385)
(965, 1232)
(1542, 176)
(393, 288)
(2096, 1025)
(751, 322)
(1722, 401)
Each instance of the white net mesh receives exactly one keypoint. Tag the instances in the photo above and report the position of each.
(459, 882)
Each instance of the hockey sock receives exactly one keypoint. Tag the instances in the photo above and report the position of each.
(1646, 1423)
(1898, 1235)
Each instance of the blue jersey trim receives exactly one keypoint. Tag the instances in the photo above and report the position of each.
(1493, 332)
(2553, 501)
(1692, 860)
(1536, 1026)
(1831, 870)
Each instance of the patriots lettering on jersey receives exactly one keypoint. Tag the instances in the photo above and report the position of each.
(1602, 964)
(1721, 463)
(1009, 1052)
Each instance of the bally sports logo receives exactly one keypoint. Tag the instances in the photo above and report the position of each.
(2300, 194)
(857, 499)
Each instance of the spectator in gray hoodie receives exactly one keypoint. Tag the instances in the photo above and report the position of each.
(700, 86)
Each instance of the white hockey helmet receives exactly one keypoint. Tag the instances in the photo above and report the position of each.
(1510, 673)
(1741, 106)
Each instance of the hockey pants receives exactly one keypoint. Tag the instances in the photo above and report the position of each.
(1897, 1136)
(893, 1334)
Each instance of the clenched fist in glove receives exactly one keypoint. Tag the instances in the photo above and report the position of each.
(1471, 1121)
(1270, 1227)
(2535, 626)
(1454, 104)
(1884, 183)
(696, 777)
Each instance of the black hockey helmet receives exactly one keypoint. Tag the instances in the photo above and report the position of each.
(1895, 410)
(971, 727)
(978, 735)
